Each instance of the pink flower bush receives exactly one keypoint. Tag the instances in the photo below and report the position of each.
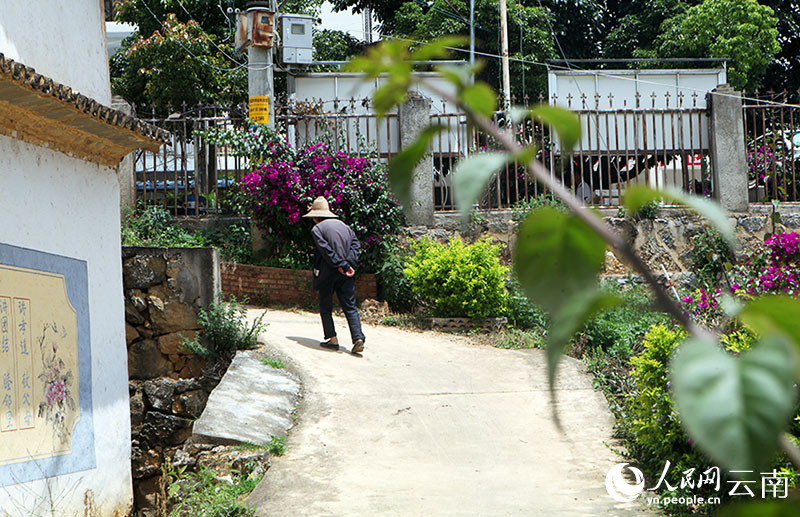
(278, 192)
(703, 305)
(772, 270)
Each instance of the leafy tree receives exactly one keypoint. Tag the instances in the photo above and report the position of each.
(784, 70)
(529, 36)
(330, 45)
(742, 30)
(384, 10)
(178, 64)
(183, 52)
(638, 24)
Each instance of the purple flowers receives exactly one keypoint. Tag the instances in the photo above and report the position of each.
(774, 270)
(277, 194)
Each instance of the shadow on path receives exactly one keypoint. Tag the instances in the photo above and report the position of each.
(312, 343)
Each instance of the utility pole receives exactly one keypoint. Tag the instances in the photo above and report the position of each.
(260, 19)
(472, 32)
(504, 56)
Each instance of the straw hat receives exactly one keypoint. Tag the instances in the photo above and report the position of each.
(320, 208)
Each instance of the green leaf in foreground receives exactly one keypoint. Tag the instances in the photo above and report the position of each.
(735, 408)
(566, 123)
(470, 177)
(637, 196)
(557, 256)
(480, 98)
(572, 317)
(401, 166)
(775, 315)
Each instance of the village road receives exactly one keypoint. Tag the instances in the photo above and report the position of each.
(427, 423)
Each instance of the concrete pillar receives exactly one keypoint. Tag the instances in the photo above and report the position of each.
(728, 151)
(126, 170)
(414, 116)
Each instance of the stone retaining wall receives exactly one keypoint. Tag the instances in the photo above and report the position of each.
(664, 240)
(164, 289)
(275, 286)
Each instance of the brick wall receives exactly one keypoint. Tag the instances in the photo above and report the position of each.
(270, 285)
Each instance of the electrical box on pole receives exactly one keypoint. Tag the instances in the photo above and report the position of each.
(297, 46)
(255, 30)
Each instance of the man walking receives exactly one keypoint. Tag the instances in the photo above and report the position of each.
(335, 258)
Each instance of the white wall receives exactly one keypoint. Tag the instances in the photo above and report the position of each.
(62, 39)
(61, 205)
(65, 206)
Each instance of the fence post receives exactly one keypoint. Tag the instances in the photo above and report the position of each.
(728, 150)
(413, 117)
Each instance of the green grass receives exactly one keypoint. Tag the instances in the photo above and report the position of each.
(201, 493)
(275, 363)
(515, 339)
(277, 446)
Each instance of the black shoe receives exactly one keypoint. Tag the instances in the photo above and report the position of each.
(358, 346)
(329, 345)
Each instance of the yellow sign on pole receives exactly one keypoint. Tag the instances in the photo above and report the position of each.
(259, 109)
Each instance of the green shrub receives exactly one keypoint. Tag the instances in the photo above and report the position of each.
(394, 286)
(458, 280)
(619, 330)
(224, 330)
(201, 493)
(153, 227)
(233, 242)
(521, 312)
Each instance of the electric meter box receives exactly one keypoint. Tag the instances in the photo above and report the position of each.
(296, 41)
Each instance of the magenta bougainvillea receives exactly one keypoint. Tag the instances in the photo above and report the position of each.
(775, 269)
(278, 192)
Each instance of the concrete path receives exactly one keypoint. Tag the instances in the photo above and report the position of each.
(428, 424)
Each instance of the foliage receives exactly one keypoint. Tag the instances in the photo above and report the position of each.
(458, 280)
(529, 35)
(521, 313)
(704, 306)
(515, 339)
(333, 45)
(153, 227)
(277, 445)
(774, 269)
(733, 408)
(521, 209)
(278, 192)
(274, 363)
(394, 286)
(710, 253)
(224, 330)
(201, 493)
(742, 30)
(180, 63)
(619, 330)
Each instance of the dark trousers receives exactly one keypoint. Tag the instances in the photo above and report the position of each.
(345, 288)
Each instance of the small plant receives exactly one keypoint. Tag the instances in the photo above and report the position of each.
(153, 226)
(274, 363)
(202, 493)
(710, 254)
(459, 280)
(522, 209)
(391, 321)
(647, 211)
(277, 445)
(224, 330)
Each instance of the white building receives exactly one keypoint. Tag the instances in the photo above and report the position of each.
(64, 410)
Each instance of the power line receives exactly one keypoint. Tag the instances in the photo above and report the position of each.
(198, 58)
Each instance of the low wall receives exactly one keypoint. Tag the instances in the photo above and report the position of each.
(275, 286)
(164, 290)
(664, 240)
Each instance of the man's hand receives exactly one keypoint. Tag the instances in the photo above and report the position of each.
(350, 271)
